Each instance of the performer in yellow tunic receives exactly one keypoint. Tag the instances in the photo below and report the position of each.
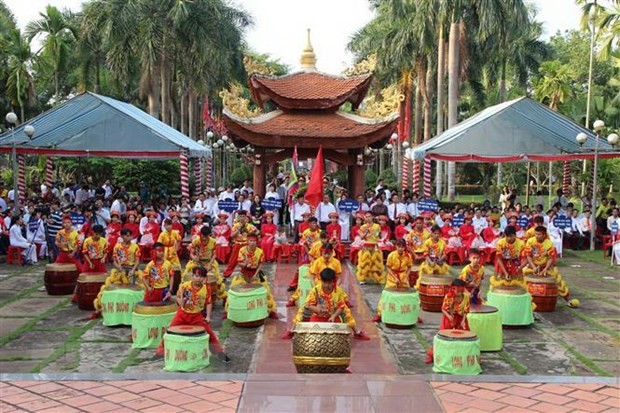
(370, 264)
(416, 239)
(250, 259)
(541, 258)
(171, 239)
(202, 254)
(434, 255)
(398, 264)
(473, 274)
(508, 262)
(308, 238)
(328, 260)
(240, 231)
(327, 304)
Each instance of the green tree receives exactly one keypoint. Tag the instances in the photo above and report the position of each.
(20, 87)
(554, 87)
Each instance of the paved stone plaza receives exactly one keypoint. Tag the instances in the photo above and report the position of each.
(46, 337)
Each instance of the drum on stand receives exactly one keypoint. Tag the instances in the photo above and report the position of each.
(321, 347)
(60, 279)
(149, 322)
(400, 307)
(456, 352)
(514, 304)
(88, 286)
(432, 292)
(414, 273)
(186, 348)
(305, 284)
(486, 322)
(247, 305)
(544, 292)
(117, 303)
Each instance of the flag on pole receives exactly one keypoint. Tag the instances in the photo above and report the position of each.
(314, 194)
(293, 183)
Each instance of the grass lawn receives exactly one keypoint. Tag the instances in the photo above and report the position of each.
(587, 255)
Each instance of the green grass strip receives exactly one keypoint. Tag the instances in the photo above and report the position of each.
(597, 326)
(421, 339)
(132, 359)
(513, 362)
(30, 325)
(583, 359)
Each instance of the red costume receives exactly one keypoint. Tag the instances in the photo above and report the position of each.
(113, 232)
(354, 249)
(134, 228)
(268, 238)
(221, 233)
(180, 228)
(334, 232)
(467, 234)
(400, 231)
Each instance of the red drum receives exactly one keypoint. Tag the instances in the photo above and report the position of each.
(60, 279)
(414, 273)
(89, 285)
(544, 292)
(432, 291)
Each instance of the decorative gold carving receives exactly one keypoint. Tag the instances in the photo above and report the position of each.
(308, 58)
(387, 104)
(362, 67)
(233, 100)
(253, 65)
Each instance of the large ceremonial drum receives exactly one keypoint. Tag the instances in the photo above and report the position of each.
(88, 286)
(247, 305)
(486, 322)
(544, 292)
(60, 279)
(186, 348)
(456, 352)
(117, 303)
(304, 285)
(414, 273)
(432, 291)
(149, 322)
(321, 347)
(514, 305)
(399, 307)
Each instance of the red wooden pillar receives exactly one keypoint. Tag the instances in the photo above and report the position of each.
(357, 180)
(259, 172)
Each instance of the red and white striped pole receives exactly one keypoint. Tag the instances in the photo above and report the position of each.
(416, 176)
(209, 172)
(405, 175)
(21, 179)
(198, 174)
(591, 182)
(427, 177)
(184, 174)
(49, 171)
(566, 177)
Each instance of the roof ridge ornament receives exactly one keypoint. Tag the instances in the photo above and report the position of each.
(308, 57)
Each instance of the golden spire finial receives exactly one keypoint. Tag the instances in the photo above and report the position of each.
(308, 58)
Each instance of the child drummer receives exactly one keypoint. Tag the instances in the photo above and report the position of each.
(473, 274)
(157, 275)
(202, 253)
(326, 303)
(434, 255)
(398, 264)
(95, 251)
(67, 243)
(193, 298)
(508, 262)
(455, 307)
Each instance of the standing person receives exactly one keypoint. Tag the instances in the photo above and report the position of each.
(394, 210)
(202, 254)
(157, 275)
(95, 251)
(257, 211)
(16, 239)
(334, 234)
(434, 255)
(322, 212)
(171, 240)
(298, 210)
(36, 233)
(54, 224)
(473, 274)
(222, 233)
(268, 236)
(344, 218)
(370, 259)
(66, 243)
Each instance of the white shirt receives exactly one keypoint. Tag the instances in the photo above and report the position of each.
(101, 216)
(108, 191)
(273, 195)
(245, 205)
(143, 221)
(227, 195)
(247, 188)
(81, 195)
(70, 192)
(503, 222)
(610, 220)
(116, 207)
(479, 223)
(16, 238)
(298, 210)
(323, 210)
(412, 209)
(395, 209)
(201, 207)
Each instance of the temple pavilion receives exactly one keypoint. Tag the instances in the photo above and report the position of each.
(308, 114)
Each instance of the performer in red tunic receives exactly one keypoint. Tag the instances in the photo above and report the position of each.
(151, 230)
(334, 232)
(401, 230)
(467, 233)
(268, 236)
(195, 231)
(113, 231)
(240, 231)
(176, 223)
(221, 233)
(132, 225)
(385, 238)
(357, 242)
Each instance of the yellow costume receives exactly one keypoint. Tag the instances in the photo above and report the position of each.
(170, 240)
(157, 275)
(541, 253)
(204, 251)
(331, 302)
(370, 263)
(434, 251)
(510, 254)
(67, 240)
(247, 271)
(126, 256)
(416, 239)
(398, 274)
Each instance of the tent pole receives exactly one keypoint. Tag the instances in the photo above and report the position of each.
(527, 185)
(550, 182)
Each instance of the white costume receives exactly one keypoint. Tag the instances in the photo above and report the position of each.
(29, 251)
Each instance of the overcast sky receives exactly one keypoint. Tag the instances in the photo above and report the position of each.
(280, 25)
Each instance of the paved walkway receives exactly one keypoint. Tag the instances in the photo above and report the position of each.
(275, 393)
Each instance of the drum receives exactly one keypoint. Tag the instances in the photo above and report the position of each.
(149, 322)
(514, 305)
(89, 284)
(117, 303)
(432, 292)
(247, 305)
(186, 348)
(399, 307)
(321, 347)
(305, 284)
(486, 322)
(456, 352)
(60, 279)
(414, 273)
(544, 292)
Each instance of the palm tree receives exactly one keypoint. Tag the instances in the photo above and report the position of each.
(58, 38)
(554, 87)
(20, 83)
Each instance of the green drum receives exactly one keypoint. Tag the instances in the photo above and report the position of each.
(456, 352)
(514, 304)
(186, 348)
(486, 322)
(247, 305)
(117, 302)
(399, 307)
(305, 285)
(149, 322)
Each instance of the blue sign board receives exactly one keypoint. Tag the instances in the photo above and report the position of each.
(428, 205)
(458, 220)
(228, 206)
(614, 228)
(562, 221)
(523, 223)
(348, 205)
(271, 203)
